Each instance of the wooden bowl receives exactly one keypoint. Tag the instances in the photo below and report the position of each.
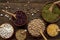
(20, 34)
(48, 16)
(52, 30)
(6, 30)
(21, 18)
(35, 26)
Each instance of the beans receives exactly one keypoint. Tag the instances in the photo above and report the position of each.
(21, 18)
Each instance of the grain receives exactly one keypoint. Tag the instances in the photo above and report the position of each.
(35, 25)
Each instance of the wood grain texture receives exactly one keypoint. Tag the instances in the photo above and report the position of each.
(35, 4)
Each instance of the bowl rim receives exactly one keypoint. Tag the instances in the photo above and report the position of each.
(44, 18)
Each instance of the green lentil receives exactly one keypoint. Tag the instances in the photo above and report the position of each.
(50, 16)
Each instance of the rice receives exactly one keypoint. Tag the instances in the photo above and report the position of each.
(6, 30)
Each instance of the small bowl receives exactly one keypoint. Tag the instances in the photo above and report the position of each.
(21, 34)
(21, 18)
(52, 30)
(6, 27)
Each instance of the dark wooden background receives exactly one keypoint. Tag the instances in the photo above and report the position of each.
(35, 5)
